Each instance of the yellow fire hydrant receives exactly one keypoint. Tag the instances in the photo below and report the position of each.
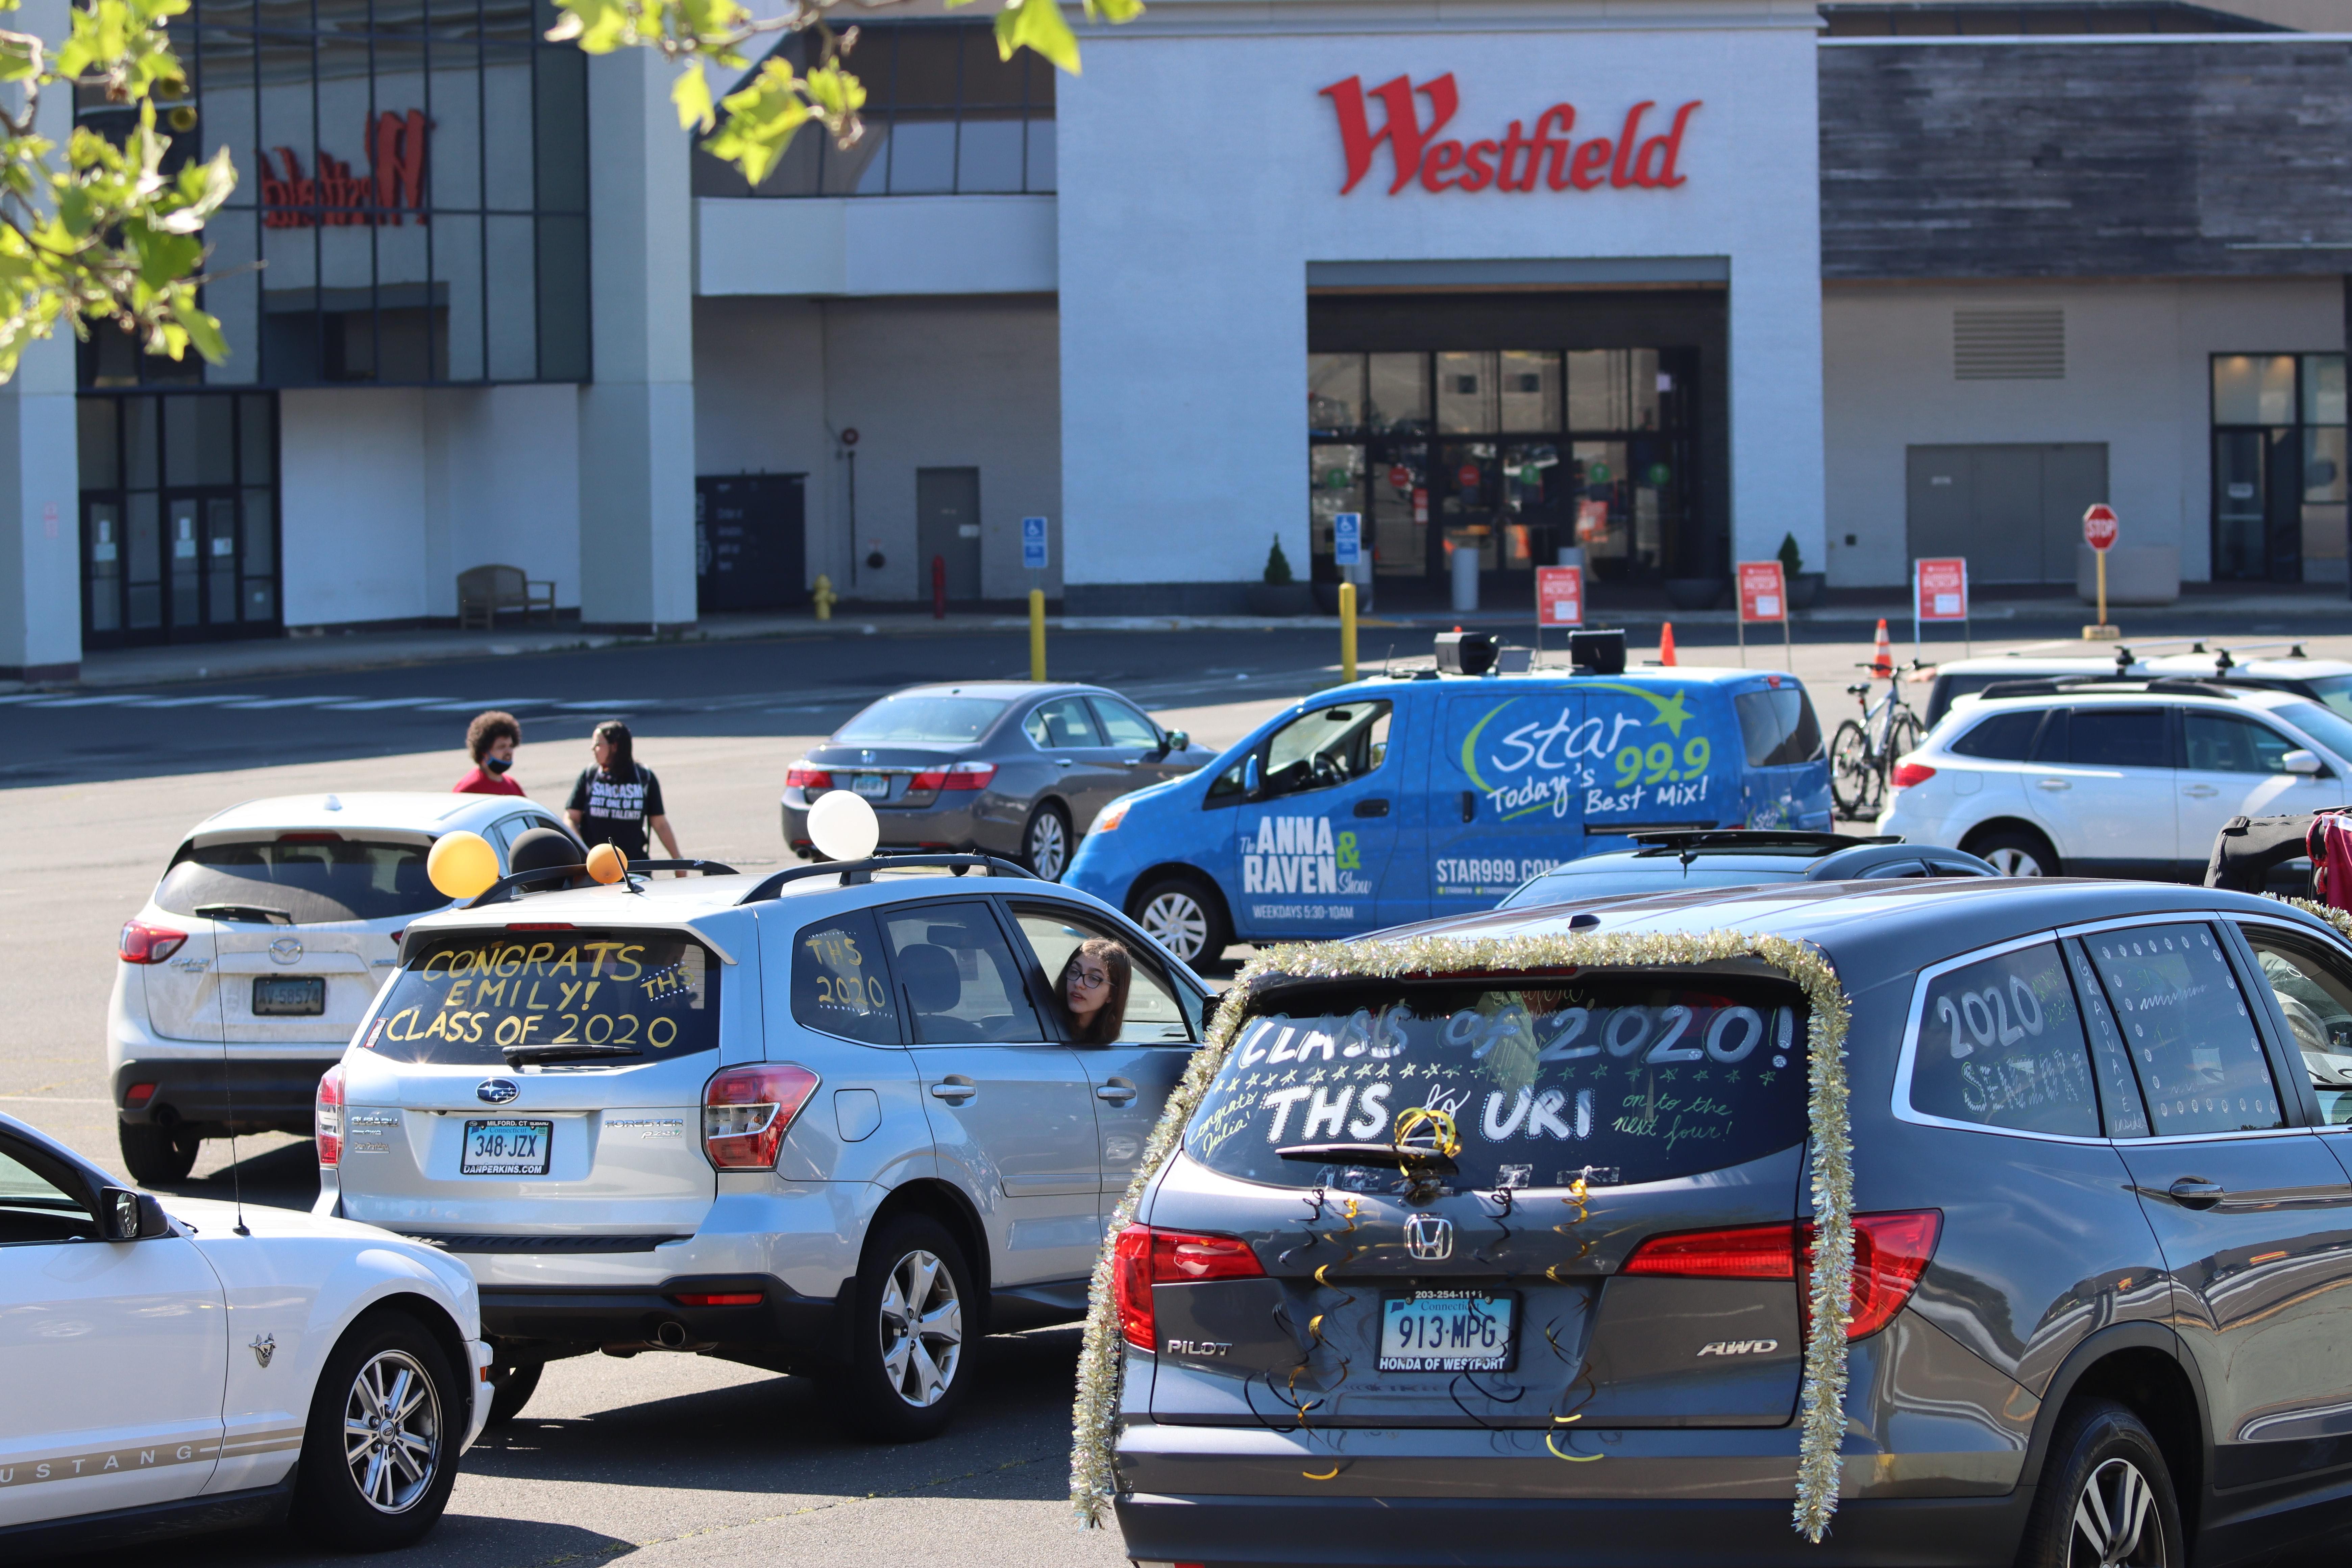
(824, 597)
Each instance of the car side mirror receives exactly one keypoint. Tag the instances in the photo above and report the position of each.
(1252, 785)
(120, 1217)
(2307, 763)
(1175, 741)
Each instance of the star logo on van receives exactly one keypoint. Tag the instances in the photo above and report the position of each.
(1672, 711)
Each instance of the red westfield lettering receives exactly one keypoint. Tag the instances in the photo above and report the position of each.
(334, 198)
(1514, 162)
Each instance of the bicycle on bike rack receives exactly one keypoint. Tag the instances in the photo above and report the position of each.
(1863, 752)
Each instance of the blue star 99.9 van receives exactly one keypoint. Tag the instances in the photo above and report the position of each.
(1406, 798)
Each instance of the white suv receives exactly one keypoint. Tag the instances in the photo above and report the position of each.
(833, 1122)
(260, 949)
(2117, 777)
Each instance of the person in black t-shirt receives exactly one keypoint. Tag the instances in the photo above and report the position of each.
(616, 801)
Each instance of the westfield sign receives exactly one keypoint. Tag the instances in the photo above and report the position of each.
(1516, 161)
(334, 198)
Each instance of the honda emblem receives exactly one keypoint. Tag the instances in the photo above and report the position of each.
(1429, 1237)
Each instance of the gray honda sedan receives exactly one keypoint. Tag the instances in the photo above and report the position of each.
(1006, 768)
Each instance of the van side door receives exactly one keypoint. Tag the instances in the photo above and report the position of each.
(1507, 785)
(1316, 835)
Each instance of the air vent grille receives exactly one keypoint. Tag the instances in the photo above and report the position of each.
(2012, 345)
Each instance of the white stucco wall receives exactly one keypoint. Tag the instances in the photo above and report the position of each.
(1201, 172)
(502, 485)
(2137, 378)
(859, 246)
(351, 493)
(926, 383)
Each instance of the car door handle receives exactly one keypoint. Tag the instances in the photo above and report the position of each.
(2201, 792)
(2196, 1192)
(2053, 785)
(1131, 762)
(1375, 807)
(954, 1090)
(1118, 1091)
(1062, 761)
(1469, 805)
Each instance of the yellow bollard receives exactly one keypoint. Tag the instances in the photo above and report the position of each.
(1347, 632)
(824, 597)
(1037, 633)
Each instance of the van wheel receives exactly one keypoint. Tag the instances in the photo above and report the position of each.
(156, 1155)
(1182, 917)
(380, 1453)
(2014, 852)
(1045, 842)
(909, 1360)
(511, 1385)
(2106, 1499)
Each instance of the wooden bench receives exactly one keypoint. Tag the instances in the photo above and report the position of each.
(484, 591)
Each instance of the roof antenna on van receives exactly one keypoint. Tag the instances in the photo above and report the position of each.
(236, 1176)
(1384, 660)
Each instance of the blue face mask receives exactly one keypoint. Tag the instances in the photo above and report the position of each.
(497, 765)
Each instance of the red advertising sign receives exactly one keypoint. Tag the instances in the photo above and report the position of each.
(1762, 595)
(1560, 596)
(331, 197)
(1512, 162)
(1591, 519)
(2099, 526)
(1941, 589)
(1400, 477)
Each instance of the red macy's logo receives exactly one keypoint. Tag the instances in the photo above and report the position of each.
(337, 198)
(1513, 164)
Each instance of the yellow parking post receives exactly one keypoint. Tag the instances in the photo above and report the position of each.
(1346, 631)
(1038, 634)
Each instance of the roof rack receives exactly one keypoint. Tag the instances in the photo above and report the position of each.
(1753, 838)
(2158, 685)
(512, 886)
(853, 873)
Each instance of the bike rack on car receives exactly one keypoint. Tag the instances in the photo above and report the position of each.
(855, 873)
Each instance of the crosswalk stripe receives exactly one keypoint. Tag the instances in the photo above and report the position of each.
(286, 702)
(373, 703)
(110, 700)
(211, 700)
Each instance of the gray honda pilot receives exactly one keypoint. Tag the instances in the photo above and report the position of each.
(2103, 1241)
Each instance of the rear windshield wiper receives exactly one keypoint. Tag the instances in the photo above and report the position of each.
(1377, 1156)
(243, 914)
(523, 1055)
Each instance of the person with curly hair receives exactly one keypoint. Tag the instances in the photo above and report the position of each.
(491, 740)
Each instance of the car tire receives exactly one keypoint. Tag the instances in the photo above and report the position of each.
(511, 1385)
(1185, 918)
(386, 1487)
(1045, 842)
(2015, 852)
(156, 1156)
(910, 1353)
(2106, 1479)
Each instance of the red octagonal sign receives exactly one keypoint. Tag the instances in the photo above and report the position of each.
(2099, 526)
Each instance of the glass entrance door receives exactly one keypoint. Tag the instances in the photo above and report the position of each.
(179, 518)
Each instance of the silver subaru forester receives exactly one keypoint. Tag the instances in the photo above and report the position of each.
(833, 1121)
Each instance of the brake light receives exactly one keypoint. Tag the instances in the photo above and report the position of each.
(144, 943)
(1142, 1257)
(326, 1116)
(541, 925)
(1891, 1251)
(747, 1111)
(1909, 773)
(1111, 816)
(961, 775)
(806, 775)
(139, 1095)
(310, 839)
(717, 1298)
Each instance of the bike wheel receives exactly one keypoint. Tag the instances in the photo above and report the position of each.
(1854, 779)
(1904, 735)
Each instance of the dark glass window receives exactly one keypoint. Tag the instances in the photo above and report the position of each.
(2191, 1035)
(1779, 726)
(840, 985)
(315, 880)
(957, 976)
(2000, 1043)
(2119, 738)
(2002, 738)
(563, 995)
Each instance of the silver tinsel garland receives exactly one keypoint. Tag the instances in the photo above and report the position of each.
(1822, 1412)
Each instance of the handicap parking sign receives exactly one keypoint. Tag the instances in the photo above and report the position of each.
(1347, 538)
(1033, 543)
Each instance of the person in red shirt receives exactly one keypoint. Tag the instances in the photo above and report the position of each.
(492, 739)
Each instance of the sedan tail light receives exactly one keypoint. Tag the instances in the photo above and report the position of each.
(1909, 773)
(747, 1111)
(144, 943)
(1143, 1258)
(326, 1116)
(961, 775)
(1890, 1253)
(808, 775)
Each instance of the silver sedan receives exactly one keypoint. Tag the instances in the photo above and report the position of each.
(1009, 767)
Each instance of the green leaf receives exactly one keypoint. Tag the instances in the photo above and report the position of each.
(691, 93)
(1113, 11)
(1037, 24)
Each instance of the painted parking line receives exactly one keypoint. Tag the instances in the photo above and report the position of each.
(213, 700)
(111, 700)
(287, 702)
(374, 704)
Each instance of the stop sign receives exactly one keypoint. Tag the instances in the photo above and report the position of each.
(2099, 526)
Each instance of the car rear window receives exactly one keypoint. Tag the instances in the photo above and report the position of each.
(922, 721)
(1615, 1081)
(298, 879)
(2005, 737)
(575, 996)
(1779, 726)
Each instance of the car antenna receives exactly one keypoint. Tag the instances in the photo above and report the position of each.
(1384, 660)
(235, 1175)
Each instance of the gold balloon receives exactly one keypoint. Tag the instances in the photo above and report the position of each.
(462, 865)
(607, 864)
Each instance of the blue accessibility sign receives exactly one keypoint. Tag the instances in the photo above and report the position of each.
(1033, 543)
(1348, 538)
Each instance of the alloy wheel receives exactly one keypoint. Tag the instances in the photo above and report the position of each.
(1049, 845)
(2012, 861)
(2115, 1523)
(922, 1330)
(391, 1432)
(1177, 922)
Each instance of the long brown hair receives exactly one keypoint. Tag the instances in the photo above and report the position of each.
(1103, 1026)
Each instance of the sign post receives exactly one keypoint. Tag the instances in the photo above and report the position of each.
(1348, 554)
(1764, 598)
(2099, 529)
(1560, 600)
(1033, 556)
(1939, 592)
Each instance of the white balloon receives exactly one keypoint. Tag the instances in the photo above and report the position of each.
(844, 826)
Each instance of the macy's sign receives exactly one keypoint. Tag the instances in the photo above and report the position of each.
(1516, 161)
(334, 198)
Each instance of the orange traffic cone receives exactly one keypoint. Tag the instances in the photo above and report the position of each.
(1666, 643)
(1882, 658)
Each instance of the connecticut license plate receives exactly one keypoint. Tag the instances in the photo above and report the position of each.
(873, 786)
(506, 1148)
(1448, 1330)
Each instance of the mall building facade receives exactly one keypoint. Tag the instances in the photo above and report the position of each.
(1669, 282)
